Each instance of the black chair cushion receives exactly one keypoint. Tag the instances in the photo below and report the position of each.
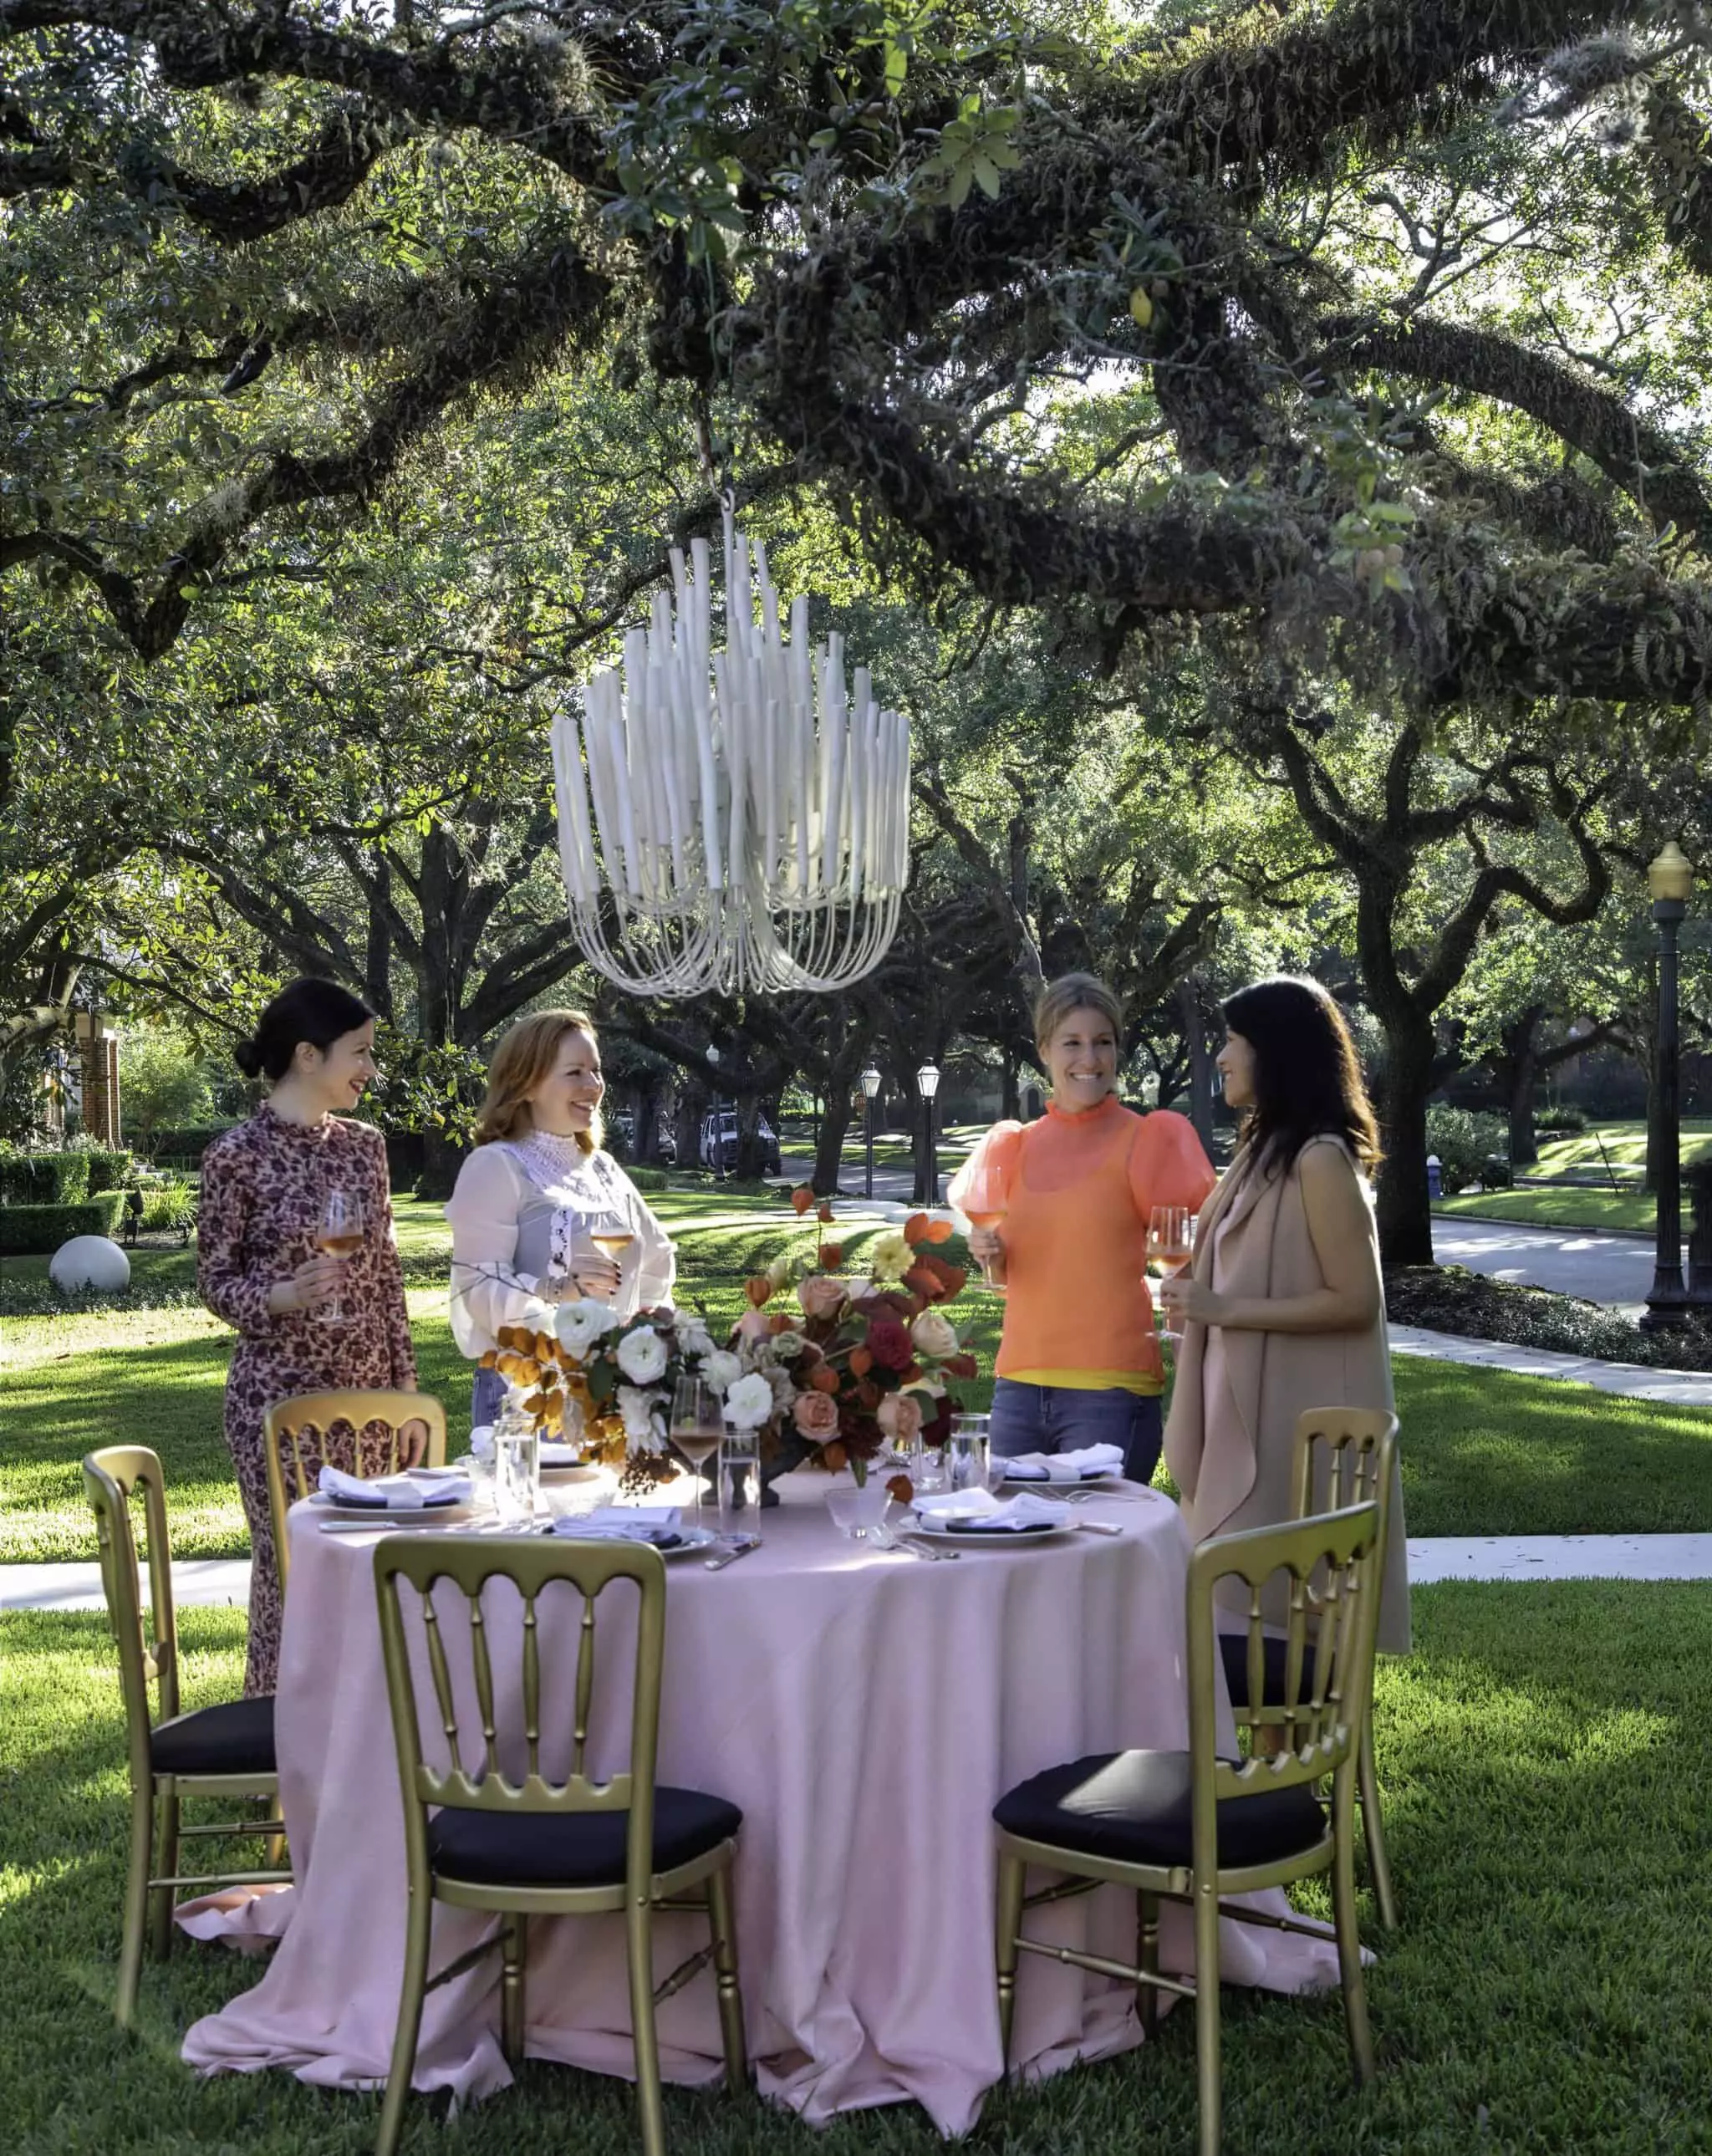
(236, 1737)
(573, 1848)
(1233, 1647)
(1134, 1807)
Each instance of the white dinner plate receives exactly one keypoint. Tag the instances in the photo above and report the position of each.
(986, 1538)
(574, 1471)
(695, 1540)
(1104, 1478)
(335, 1515)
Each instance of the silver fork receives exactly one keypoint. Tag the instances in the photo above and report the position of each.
(888, 1538)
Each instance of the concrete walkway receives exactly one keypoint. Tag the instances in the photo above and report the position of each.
(1682, 1388)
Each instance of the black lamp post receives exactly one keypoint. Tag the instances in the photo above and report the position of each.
(870, 1086)
(719, 1131)
(1670, 879)
(927, 1085)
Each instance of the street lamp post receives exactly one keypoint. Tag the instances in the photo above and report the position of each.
(1670, 879)
(927, 1085)
(870, 1086)
(719, 1133)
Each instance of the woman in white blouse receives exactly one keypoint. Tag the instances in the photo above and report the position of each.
(527, 1196)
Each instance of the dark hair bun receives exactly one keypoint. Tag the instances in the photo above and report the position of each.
(319, 1012)
(248, 1059)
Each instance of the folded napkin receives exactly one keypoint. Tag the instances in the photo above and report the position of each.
(555, 1452)
(656, 1524)
(410, 1492)
(1087, 1466)
(978, 1512)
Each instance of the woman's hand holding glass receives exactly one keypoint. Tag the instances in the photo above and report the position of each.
(1170, 1245)
(594, 1272)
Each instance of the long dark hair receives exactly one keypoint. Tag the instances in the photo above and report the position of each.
(319, 1012)
(1307, 1076)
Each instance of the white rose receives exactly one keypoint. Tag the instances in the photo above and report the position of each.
(721, 1369)
(933, 1334)
(750, 1402)
(580, 1325)
(642, 1355)
(694, 1341)
(537, 1316)
(637, 1407)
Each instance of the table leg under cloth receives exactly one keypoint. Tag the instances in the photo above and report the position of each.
(866, 1711)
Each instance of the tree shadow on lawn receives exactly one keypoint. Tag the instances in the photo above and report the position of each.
(1485, 1453)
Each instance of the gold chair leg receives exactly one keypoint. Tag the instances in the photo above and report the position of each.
(1349, 1938)
(723, 1924)
(1207, 2010)
(418, 1934)
(166, 1860)
(638, 1946)
(1007, 1922)
(514, 1954)
(136, 1903)
(1378, 1863)
(1147, 1960)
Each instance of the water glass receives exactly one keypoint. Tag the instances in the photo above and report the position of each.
(739, 1481)
(517, 1471)
(927, 1467)
(966, 1453)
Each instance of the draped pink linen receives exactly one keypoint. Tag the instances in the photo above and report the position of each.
(866, 1711)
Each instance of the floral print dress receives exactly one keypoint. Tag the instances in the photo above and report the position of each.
(263, 1189)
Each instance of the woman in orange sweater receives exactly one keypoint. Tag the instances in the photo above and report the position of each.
(1078, 1361)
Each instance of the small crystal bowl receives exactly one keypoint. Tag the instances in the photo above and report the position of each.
(857, 1512)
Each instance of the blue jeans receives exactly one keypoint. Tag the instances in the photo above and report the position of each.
(487, 1397)
(1064, 1417)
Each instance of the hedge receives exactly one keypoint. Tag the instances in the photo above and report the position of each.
(107, 1171)
(44, 1179)
(29, 1230)
(188, 1143)
(647, 1178)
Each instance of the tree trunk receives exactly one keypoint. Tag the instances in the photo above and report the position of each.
(1520, 1066)
(648, 1119)
(1011, 1094)
(692, 1106)
(1200, 1062)
(829, 1142)
(748, 1106)
(1405, 1082)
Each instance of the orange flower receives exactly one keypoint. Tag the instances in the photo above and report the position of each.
(826, 1209)
(832, 1256)
(801, 1198)
(759, 1289)
(861, 1361)
(823, 1377)
(915, 1229)
(545, 1348)
(833, 1456)
(902, 1488)
(938, 1231)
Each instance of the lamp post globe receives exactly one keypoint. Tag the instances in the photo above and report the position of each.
(927, 1085)
(1670, 879)
(869, 1082)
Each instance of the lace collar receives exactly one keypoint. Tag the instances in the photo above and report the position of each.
(550, 1160)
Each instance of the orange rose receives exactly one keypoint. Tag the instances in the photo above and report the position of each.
(815, 1416)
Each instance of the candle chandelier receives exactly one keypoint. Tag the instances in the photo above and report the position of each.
(735, 819)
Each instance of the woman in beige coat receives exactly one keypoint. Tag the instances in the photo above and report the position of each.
(1283, 1306)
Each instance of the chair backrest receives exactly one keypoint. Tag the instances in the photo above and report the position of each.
(294, 1435)
(147, 1654)
(408, 1568)
(1344, 1456)
(1332, 1563)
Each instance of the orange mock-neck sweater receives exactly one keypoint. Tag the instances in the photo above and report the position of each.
(1078, 1191)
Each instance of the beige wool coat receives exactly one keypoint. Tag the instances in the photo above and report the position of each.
(1228, 1441)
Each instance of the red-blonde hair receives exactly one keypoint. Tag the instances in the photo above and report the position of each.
(521, 1061)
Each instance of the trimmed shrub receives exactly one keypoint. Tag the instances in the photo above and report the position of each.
(1560, 1122)
(44, 1179)
(1464, 1143)
(1452, 1299)
(107, 1171)
(188, 1143)
(647, 1178)
(34, 1230)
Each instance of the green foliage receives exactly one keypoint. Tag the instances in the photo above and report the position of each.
(27, 1230)
(45, 1178)
(108, 1171)
(1567, 1120)
(1464, 1142)
(1452, 1299)
(163, 1084)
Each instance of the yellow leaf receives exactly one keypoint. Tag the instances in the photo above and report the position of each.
(1141, 307)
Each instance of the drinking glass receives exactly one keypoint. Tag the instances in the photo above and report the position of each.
(340, 1235)
(516, 1468)
(1171, 1243)
(698, 1425)
(612, 1235)
(984, 1207)
(966, 1453)
(739, 1480)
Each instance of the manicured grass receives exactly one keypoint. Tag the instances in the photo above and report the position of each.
(1545, 1755)
(1561, 1206)
(1624, 1144)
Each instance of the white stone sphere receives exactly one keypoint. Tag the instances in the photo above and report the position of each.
(90, 1261)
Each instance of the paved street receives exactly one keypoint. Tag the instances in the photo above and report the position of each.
(1603, 1268)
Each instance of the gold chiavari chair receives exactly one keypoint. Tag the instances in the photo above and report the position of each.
(1342, 1457)
(535, 1846)
(1198, 1826)
(294, 1434)
(225, 1751)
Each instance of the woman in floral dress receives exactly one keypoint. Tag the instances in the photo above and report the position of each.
(525, 1197)
(264, 1189)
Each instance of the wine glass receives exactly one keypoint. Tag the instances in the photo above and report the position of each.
(698, 1425)
(612, 1235)
(983, 1205)
(1171, 1241)
(340, 1236)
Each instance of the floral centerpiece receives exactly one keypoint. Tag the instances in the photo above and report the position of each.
(861, 1365)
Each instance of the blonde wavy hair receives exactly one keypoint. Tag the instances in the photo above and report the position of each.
(1072, 992)
(523, 1059)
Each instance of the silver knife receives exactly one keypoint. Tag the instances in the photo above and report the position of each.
(730, 1555)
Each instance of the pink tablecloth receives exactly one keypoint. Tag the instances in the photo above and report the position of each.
(866, 1711)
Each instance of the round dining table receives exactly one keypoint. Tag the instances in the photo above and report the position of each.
(865, 1710)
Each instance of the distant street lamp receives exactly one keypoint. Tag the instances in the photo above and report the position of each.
(927, 1085)
(718, 1132)
(869, 1082)
(1670, 879)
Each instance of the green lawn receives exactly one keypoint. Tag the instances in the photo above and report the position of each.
(1561, 1206)
(1545, 1753)
(1624, 1143)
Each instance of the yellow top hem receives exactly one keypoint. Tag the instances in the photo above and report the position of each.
(1090, 1381)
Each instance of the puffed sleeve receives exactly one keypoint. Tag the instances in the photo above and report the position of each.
(232, 1291)
(1168, 1164)
(389, 1273)
(486, 1292)
(984, 1180)
(655, 1261)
